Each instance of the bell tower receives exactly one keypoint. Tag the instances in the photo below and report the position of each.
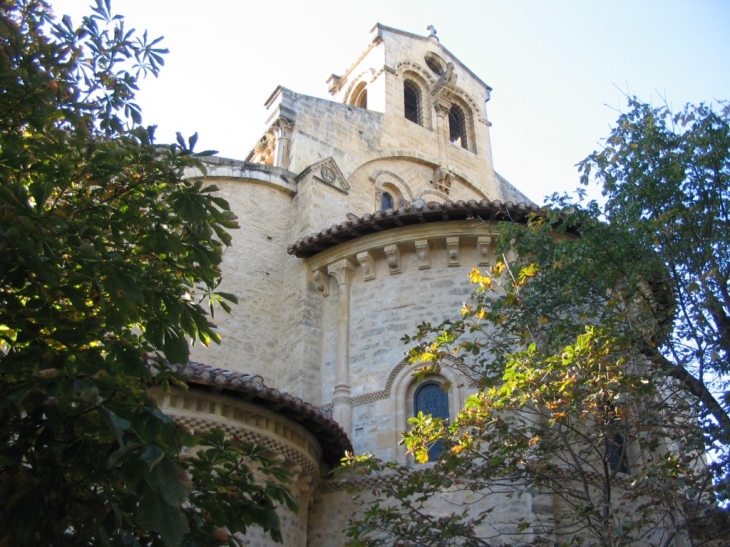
(426, 94)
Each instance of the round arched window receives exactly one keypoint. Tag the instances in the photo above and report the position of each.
(412, 102)
(430, 398)
(457, 127)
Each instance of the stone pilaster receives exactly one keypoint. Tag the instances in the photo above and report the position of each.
(343, 271)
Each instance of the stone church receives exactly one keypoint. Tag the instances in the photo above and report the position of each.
(360, 218)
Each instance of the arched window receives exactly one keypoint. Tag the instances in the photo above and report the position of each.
(430, 398)
(386, 202)
(457, 127)
(359, 96)
(412, 102)
(616, 453)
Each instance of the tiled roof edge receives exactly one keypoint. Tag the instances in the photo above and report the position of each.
(418, 212)
(252, 387)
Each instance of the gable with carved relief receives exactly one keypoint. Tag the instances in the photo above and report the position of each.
(326, 172)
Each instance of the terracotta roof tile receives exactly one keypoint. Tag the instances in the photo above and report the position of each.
(317, 421)
(418, 212)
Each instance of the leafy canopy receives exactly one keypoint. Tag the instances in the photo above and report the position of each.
(109, 263)
(600, 342)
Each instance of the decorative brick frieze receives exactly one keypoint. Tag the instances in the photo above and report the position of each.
(286, 440)
(342, 400)
(356, 482)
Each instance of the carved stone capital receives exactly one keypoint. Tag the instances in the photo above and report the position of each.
(452, 250)
(484, 250)
(367, 264)
(321, 282)
(342, 271)
(442, 108)
(423, 254)
(282, 129)
(393, 256)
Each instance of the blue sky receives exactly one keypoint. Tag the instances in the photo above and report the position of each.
(560, 69)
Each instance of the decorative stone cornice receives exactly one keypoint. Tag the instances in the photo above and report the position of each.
(397, 252)
(237, 388)
(412, 213)
(356, 482)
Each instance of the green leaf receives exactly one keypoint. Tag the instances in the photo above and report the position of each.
(116, 424)
(156, 514)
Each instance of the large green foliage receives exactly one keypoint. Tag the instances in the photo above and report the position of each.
(107, 256)
(598, 321)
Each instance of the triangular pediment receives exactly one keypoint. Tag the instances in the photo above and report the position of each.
(328, 173)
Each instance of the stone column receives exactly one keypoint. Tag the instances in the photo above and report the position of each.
(282, 131)
(342, 271)
(442, 128)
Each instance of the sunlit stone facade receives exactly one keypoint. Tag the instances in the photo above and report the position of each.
(360, 218)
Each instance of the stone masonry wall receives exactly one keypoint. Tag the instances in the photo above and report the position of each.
(405, 285)
(335, 504)
(253, 269)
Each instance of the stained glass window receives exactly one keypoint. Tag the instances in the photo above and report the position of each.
(431, 399)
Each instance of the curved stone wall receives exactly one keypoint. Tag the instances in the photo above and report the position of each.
(254, 272)
(284, 439)
(397, 279)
